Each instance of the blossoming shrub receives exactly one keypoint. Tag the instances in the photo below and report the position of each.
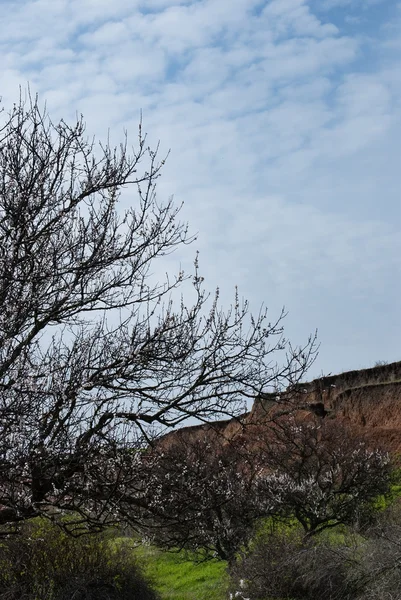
(44, 563)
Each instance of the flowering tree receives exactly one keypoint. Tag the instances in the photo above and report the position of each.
(202, 496)
(94, 353)
(321, 473)
(207, 494)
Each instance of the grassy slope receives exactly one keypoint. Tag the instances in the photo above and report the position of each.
(178, 578)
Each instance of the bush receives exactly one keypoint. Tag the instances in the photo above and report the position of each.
(381, 563)
(44, 563)
(335, 565)
(285, 564)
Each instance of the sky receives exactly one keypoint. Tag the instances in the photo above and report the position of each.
(284, 124)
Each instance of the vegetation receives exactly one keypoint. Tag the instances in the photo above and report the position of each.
(203, 496)
(96, 359)
(180, 576)
(43, 563)
(208, 494)
(321, 472)
(356, 565)
(95, 355)
(346, 563)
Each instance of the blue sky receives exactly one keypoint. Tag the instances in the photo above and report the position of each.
(284, 123)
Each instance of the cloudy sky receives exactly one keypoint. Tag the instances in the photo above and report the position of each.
(284, 123)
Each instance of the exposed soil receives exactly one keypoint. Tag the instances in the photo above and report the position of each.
(368, 400)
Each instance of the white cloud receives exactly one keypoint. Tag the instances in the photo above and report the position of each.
(353, 4)
(286, 17)
(284, 140)
(363, 95)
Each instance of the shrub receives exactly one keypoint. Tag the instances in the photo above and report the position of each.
(381, 563)
(44, 563)
(335, 565)
(286, 564)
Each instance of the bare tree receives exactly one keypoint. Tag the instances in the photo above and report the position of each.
(94, 352)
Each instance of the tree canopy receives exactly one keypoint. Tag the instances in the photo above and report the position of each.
(95, 353)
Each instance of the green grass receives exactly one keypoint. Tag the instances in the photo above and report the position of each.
(176, 577)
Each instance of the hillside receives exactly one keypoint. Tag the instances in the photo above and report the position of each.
(369, 400)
